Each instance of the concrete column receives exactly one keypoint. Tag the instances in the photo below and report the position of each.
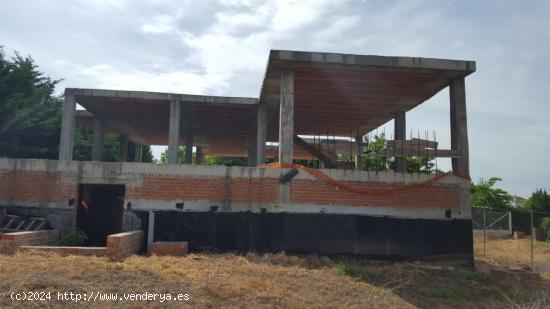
(97, 146)
(252, 148)
(286, 130)
(359, 155)
(151, 228)
(400, 133)
(261, 134)
(459, 126)
(123, 151)
(174, 131)
(286, 118)
(66, 139)
(198, 155)
(138, 148)
(188, 147)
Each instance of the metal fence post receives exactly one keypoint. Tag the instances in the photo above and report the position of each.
(532, 240)
(484, 231)
(510, 224)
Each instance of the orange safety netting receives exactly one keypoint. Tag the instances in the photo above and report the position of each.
(372, 191)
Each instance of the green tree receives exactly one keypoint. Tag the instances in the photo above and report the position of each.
(83, 141)
(373, 162)
(30, 115)
(414, 164)
(208, 160)
(146, 153)
(181, 155)
(485, 194)
(538, 201)
(227, 161)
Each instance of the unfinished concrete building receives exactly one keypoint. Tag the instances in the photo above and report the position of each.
(336, 209)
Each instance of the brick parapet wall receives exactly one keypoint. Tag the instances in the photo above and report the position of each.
(35, 186)
(122, 245)
(37, 182)
(251, 190)
(430, 196)
(9, 242)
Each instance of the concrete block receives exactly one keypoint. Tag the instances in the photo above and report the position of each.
(172, 248)
(122, 245)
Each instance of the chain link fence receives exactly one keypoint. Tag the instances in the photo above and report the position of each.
(489, 224)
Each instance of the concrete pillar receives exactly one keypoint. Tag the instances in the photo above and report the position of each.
(66, 139)
(199, 155)
(459, 126)
(286, 117)
(359, 155)
(188, 147)
(151, 228)
(400, 133)
(123, 151)
(97, 146)
(251, 148)
(286, 130)
(174, 131)
(261, 134)
(138, 149)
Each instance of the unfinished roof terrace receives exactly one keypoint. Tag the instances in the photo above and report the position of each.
(305, 98)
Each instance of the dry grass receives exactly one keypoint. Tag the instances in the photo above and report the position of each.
(515, 254)
(277, 280)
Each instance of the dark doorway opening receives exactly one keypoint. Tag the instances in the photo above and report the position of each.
(100, 210)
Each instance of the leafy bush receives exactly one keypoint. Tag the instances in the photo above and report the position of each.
(73, 239)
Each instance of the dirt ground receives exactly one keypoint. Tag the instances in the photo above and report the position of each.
(278, 280)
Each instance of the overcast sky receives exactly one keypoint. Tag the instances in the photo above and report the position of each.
(221, 48)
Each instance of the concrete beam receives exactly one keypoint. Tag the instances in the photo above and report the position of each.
(66, 140)
(459, 126)
(286, 117)
(375, 61)
(123, 151)
(138, 153)
(400, 133)
(97, 146)
(188, 147)
(261, 134)
(174, 131)
(160, 96)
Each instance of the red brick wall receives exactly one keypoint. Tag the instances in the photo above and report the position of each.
(35, 186)
(50, 187)
(319, 192)
(212, 189)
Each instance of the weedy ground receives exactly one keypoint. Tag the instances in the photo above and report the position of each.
(280, 280)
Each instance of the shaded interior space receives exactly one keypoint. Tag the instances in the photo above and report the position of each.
(306, 100)
(100, 211)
